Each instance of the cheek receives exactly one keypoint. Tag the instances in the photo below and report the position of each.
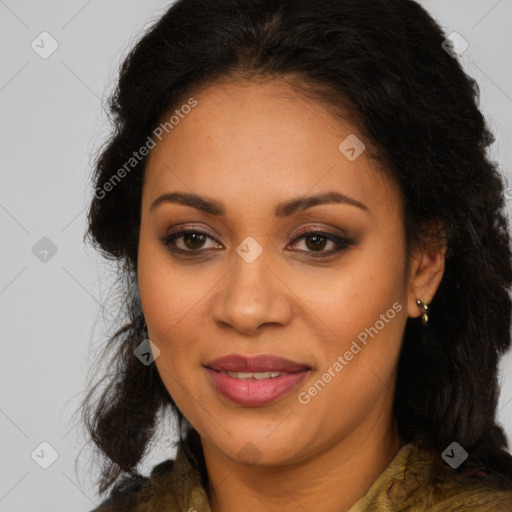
(358, 324)
(169, 302)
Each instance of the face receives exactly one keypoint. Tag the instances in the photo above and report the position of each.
(258, 268)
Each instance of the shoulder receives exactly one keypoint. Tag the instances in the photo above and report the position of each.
(478, 496)
(436, 487)
(418, 480)
(459, 498)
(137, 492)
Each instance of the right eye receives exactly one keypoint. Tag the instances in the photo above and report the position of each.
(190, 240)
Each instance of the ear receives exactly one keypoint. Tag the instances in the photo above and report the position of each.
(426, 268)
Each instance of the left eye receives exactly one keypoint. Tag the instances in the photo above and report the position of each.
(315, 242)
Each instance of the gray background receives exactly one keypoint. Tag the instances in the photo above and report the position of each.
(51, 123)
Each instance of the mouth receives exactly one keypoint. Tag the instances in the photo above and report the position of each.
(257, 380)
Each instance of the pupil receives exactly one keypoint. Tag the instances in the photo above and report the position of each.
(195, 238)
(318, 242)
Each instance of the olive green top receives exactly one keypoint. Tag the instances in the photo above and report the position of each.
(180, 485)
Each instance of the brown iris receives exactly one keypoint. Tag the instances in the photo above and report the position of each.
(318, 242)
(194, 240)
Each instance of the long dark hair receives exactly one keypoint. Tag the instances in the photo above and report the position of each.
(383, 64)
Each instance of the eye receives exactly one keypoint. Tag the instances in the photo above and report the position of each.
(190, 241)
(316, 241)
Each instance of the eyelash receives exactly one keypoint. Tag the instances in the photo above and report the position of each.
(342, 243)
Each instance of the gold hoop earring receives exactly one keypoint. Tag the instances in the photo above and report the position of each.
(424, 307)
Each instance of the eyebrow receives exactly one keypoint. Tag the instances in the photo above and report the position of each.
(284, 209)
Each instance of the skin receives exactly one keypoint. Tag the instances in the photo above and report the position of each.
(251, 146)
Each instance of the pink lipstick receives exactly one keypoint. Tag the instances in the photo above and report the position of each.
(256, 380)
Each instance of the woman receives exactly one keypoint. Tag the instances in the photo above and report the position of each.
(316, 261)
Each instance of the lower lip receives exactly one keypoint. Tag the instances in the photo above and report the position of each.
(252, 392)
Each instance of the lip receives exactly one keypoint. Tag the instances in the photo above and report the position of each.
(252, 392)
(258, 363)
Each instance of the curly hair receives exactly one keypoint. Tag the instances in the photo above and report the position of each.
(380, 62)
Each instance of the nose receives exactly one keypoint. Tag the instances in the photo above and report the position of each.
(252, 295)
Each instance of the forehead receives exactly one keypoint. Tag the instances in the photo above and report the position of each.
(248, 142)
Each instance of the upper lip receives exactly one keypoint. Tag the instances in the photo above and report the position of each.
(258, 363)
